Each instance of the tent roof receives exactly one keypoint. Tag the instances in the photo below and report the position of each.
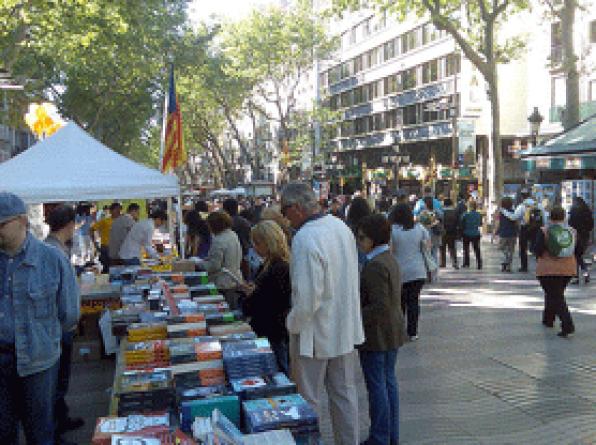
(71, 165)
(578, 140)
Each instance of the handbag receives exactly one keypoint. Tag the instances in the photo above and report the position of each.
(429, 262)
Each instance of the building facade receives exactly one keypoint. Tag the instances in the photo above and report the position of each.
(414, 111)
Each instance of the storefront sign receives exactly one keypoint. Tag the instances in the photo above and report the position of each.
(466, 132)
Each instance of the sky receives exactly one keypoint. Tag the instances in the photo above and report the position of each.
(230, 9)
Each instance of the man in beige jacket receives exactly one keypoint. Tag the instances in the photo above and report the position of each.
(325, 322)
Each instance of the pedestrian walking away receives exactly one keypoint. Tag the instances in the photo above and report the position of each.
(582, 220)
(451, 225)
(325, 322)
(556, 264)
(407, 242)
(507, 229)
(471, 221)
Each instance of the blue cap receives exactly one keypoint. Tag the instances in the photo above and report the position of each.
(10, 206)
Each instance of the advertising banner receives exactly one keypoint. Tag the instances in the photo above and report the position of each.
(466, 133)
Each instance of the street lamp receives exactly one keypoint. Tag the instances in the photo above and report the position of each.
(535, 119)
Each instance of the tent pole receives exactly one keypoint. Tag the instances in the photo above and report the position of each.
(182, 240)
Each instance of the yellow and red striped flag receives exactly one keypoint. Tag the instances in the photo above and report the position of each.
(174, 153)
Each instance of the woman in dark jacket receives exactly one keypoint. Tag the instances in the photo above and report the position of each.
(507, 232)
(198, 237)
(380, 298)
(268, 299)
(582, 220)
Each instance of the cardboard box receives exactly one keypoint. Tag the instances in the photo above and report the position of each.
(86, 351)
(88, 328)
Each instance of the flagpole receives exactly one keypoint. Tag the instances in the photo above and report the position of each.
(164, 119)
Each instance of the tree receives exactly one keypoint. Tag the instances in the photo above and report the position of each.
(102, 62)
(473, 25)
(272, 50)
(212, 102)
(565, 13)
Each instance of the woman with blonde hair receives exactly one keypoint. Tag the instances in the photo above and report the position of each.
(268, 299)
(273, 214)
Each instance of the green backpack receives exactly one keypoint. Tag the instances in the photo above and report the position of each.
(560, 241)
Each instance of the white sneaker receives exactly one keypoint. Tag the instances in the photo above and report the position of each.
(413, 338)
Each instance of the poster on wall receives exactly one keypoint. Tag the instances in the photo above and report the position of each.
(466, 132)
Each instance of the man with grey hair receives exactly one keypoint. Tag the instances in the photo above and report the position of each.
(38, 301)
(325, 322)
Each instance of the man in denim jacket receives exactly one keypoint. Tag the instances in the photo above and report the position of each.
(38, 301)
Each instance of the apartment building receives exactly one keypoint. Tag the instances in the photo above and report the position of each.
(403, 88)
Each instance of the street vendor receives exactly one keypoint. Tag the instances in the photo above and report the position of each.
(141, 237)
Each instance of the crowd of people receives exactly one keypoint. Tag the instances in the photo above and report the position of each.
(333, 285)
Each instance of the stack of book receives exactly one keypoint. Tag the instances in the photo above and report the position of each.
(248, 358)
(281, 412)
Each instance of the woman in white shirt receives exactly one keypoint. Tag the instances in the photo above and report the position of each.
(407, 240)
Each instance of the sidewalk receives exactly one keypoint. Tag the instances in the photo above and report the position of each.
(485, 370)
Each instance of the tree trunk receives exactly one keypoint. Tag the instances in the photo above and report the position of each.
(495, 178)
(571, 116)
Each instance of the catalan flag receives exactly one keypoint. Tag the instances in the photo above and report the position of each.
(174, 154)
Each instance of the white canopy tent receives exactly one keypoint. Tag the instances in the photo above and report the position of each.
(71, 165)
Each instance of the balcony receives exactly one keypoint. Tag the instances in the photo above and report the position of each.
(586, 109)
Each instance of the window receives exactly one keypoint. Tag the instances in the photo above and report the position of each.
(391, 84)
(453, 64)
(357, 95)
(397, 46)
(558, 92)
(357, 64)
(333, 102)
(409, 79)
(389, 50)
(592, 90)
(593, 31)
(365, 27)
(410, 115)
(347, 128)
(399, 85)
(379, 122)
(556, 43)
(352, 36)
(346, 99)
(429, 33)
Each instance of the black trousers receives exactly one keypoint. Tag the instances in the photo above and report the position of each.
(583, 240)
(410, 304)
(524, 238)
(475, 241)
(448, 243)
(61, 408)
(554, 301)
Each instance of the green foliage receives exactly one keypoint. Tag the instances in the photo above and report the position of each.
(103, 62)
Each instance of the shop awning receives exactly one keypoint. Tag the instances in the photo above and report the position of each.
(574, 149)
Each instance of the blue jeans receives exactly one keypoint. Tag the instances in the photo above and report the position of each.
(29, 400)
(383, 396)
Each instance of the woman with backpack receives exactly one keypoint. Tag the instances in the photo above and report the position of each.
(555, 266)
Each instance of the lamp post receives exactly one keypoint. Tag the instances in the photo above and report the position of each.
(535, 119)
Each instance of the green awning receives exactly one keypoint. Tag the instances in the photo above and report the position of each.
(579, 140)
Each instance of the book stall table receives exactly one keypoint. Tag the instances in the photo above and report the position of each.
(191, 371)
